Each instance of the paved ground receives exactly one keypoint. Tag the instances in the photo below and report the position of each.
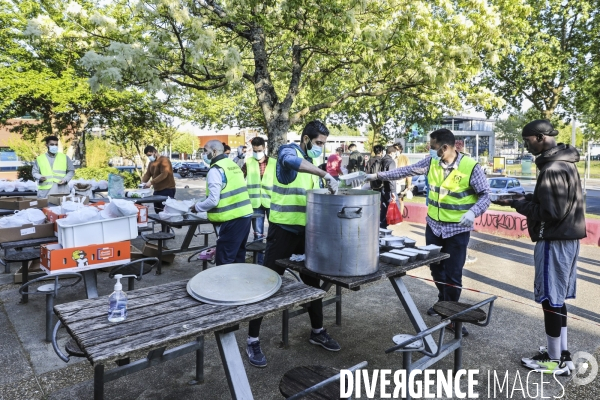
(31, 370)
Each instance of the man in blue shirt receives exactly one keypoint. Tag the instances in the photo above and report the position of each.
(295, 174)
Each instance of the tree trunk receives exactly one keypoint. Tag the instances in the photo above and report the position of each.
(277, 129)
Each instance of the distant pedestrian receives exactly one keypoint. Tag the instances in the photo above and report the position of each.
(159, 174)
(556, 223)
(240, 159)
(355, 160)
(226, 150)
(334, 164)
(387, 189)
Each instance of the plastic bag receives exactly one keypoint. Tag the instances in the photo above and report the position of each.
(84, 214)
(9, 186)
(32, 215)
(94, 184)
(122, 207)
(102, 185)
(2, 183)
(116, 186)
(393, 215)
(20, 186)
(31, 186)
(173, 206)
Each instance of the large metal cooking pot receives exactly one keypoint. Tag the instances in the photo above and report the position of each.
(342, 232)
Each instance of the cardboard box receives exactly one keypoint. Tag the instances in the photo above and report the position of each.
(28, 231)
(34, 271)
(58, 199)
(56, 259)
(151, 250)
(51, 216)
(22, 203)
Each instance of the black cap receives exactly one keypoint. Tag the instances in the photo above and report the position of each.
(539, 127)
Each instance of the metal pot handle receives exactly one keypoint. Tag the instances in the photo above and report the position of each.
(355, 214)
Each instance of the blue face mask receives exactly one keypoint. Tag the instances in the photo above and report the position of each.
(53, 149)
(206, 160)
(433, 153)
(315, 151)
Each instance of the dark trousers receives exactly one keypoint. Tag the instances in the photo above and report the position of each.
(282, 244)
(159, 206)
(450, 269)
(231, 244)
(386, 197)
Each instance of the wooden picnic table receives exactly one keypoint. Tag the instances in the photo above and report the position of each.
(137, 200)
(18, 245)
(27, 193)
(390, 272)
(192, 222)
(166, 316)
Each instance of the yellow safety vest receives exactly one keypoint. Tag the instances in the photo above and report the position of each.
(259, 188)
(234, 201)
(54, 173)
(288, 202)
(450, 198)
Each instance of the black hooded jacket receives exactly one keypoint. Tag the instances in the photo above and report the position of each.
(555, 211)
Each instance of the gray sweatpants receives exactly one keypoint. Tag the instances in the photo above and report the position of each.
(555, 271)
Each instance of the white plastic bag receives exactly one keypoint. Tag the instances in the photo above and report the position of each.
(84, 214)
(122, 207)
(9, 186)
(14, 221)
(20, 186)
(31, 186)
(102, 185)
(33, 215)
(170, 217)
(2, 183)
(173, 206)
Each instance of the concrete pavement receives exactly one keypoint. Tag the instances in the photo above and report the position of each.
(371, 316)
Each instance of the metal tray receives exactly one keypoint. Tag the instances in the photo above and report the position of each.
(234, 284)
(392, 258)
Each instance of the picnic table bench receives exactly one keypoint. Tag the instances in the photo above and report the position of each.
(390, 272)
(167, 316)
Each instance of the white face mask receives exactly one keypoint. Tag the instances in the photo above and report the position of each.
(151, 158)
(258, 155)
(53, 149)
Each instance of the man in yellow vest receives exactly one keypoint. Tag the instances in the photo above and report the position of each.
(52, 170)
(259, 171)
(227, 204)
(458, 193)
(295, 174)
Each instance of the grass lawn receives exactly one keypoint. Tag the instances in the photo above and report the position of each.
(421, 200)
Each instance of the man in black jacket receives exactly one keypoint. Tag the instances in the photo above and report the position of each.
(556, 223)
(386, 188)
(355, 161)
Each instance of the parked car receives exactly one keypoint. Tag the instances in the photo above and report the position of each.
(419, 185)
(176, 166)
(505, 185)
(188, 170)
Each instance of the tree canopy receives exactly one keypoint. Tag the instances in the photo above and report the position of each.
(289, 60)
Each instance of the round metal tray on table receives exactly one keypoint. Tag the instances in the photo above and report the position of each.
(234, 284)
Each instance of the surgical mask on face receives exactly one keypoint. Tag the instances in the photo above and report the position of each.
(151, 158)
(206, 159)
(434, 154)
(258, 155)
(314, 151)
(53, 149)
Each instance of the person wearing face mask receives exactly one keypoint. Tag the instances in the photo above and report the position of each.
(259, 171)
(160, 171)
(227, 204)
(295, 174)
(52, 170)
(458, 193)
(240, 159)
(556, 222)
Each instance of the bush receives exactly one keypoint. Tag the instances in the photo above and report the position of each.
(131, 180)
(99, 174)
(24, 172)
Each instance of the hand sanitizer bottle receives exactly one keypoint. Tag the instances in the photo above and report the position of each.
(117, 308)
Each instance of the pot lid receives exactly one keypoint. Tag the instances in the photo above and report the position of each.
(234, 284)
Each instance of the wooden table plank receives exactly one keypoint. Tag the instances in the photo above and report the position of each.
(153, 328)
(385, 271)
